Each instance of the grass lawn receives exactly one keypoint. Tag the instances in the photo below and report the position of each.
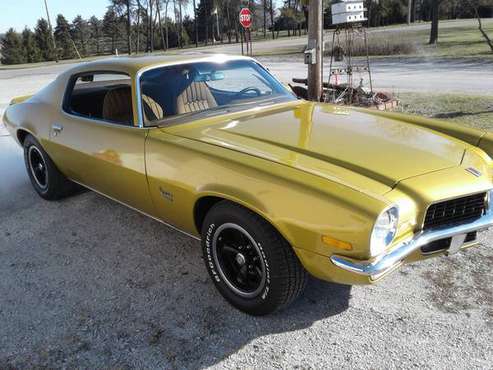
(456, 39)
(474, 111)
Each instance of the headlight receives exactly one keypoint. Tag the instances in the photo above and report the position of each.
(384, 231)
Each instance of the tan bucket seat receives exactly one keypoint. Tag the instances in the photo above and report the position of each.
(117, 106)
(194, 98)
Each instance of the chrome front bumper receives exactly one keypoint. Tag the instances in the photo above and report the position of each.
(397, 255)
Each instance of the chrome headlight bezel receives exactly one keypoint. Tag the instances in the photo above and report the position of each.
(489, 201)
(384, 230)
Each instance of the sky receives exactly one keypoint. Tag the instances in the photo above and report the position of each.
(21, 13)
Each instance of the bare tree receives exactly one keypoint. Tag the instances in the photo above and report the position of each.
(480, 24)
(435, 17)
(161, 32)
(180, 14)
(138, 26)
(166, 21)
(409, 11)
(129, 28)
(151, 27)
(195, 24)
(264, 3)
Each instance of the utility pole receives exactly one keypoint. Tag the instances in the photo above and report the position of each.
(315, 29)
(51, 31)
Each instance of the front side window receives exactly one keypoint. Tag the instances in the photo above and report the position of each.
(102, 96)
(173, 91)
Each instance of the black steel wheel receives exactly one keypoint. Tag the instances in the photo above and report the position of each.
(239, 260)
(45, 177)
(251, 264)
(37, 166)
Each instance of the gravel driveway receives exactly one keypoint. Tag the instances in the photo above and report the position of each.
(91, 284)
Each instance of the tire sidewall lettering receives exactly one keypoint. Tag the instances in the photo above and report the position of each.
(264, 294)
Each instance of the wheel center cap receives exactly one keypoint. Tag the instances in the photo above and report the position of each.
(240, 259)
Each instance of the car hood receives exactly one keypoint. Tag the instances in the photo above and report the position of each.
(350, 146)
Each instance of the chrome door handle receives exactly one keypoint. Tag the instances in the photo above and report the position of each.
(56, 129)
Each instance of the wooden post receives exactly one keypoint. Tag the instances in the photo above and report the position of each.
(315, 29)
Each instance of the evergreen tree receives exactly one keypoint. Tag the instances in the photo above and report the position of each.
(63, 38)
(205, 26)
(80, 34)
(123, 9)
(110, 26)
(32, 52)
(95, 34)
(44, 40)
(12, 50)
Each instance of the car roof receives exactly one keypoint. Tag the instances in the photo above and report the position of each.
(133, 64)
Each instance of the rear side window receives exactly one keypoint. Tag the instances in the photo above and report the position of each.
(102, 96)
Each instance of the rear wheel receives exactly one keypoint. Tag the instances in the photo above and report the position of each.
(45, 177)
(251, 264)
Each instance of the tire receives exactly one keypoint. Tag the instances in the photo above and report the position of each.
(45, 177)
(252, 265)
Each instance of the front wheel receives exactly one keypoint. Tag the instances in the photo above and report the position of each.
(252, 265)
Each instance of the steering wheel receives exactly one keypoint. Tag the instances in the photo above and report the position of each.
(247, 89)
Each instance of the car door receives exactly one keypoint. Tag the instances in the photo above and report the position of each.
(96, 141)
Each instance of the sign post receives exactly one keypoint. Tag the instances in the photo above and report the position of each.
(246, 20)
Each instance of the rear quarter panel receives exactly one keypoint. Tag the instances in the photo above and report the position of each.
(34, 114)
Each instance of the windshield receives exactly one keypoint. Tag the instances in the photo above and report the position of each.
(184, 89)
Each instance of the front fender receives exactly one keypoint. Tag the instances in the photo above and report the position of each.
(301, 206)
(486, 143)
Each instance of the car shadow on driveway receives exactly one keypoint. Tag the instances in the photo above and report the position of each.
(89, 282)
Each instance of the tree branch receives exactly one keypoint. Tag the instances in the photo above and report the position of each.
(480, 25)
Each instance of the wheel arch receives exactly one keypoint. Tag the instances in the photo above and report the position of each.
(21, 135)
(205, 202)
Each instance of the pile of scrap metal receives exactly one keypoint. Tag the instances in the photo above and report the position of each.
(346, 95)
(348, 68)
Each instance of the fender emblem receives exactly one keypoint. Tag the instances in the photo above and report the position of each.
(474, 171)
(166, 194)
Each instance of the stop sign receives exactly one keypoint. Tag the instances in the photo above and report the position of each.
(245, 17)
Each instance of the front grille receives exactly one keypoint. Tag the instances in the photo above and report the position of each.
(455, 211)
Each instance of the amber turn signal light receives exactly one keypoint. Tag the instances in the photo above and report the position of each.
(336, 243)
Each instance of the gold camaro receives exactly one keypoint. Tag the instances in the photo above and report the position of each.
(274, 186)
